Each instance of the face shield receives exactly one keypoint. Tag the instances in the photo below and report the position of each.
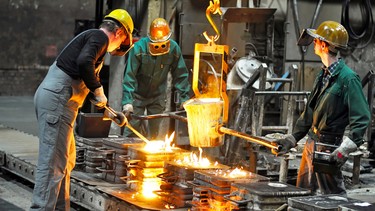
(159, 48)
(307, 37)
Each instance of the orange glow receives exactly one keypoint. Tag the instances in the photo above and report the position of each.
(204, 116)
(151, 182)
(160, 146)
(233, 173)
(195, 160)
(148, 188)
(169, 206)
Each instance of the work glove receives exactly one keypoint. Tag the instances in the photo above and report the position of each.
(180, 107)
(127, 109)
(341, 154)
(98, 98)
(119, 118)
(285, 143)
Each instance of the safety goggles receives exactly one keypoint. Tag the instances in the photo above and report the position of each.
(159, 48)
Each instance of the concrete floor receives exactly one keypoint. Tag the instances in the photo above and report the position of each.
(18, 114)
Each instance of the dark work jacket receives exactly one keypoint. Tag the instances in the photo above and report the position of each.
(83, 56)
(146, 75)
(332, 108)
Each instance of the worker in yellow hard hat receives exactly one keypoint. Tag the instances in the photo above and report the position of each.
(335, 103)
(73, 75)
(145, 79)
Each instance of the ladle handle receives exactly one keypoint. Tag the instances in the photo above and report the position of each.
(251, 138)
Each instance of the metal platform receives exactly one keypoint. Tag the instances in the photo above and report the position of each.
(19, 154)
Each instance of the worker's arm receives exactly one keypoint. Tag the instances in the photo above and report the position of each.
(358, 111)
(130, 82)
(180, 75)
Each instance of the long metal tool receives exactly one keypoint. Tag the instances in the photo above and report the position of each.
(137, 133)
(173, 115)
(113, 112)
(250, 138)
(120, 120)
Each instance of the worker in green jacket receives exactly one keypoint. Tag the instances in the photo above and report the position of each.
(145, 78)
(335, 105)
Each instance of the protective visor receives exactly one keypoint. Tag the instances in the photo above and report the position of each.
(306, 37)
(159, 48)
(124, 47)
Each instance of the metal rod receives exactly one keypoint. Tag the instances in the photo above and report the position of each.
(110, 110)
(248, 137)
(173, 115)
(282, 93)
(137, 133)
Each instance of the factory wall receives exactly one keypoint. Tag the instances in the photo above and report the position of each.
(33, 33)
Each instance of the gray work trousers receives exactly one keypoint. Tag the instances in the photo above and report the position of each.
(155, 105)
(56, 101)
(309, 179)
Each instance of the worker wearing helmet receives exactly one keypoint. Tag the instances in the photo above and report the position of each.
(73, 75)
(145, 79)
(336, 103)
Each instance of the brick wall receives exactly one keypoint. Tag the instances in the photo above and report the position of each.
(22, 81)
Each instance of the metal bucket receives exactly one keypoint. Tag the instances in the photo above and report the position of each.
(203, 115)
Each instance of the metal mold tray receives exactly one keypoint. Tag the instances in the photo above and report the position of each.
(220, 178)
(263, 195)
(138, 152)
(329, 202)
(122, 142)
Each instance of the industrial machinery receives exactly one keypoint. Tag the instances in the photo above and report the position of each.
(207, 113)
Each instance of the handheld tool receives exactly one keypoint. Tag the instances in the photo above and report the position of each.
(120, 119)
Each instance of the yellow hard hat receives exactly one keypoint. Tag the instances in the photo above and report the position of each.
(331, 32)
(123, 17)
(159, 30)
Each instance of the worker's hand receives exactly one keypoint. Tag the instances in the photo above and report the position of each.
(341, 154)
(286, 143)
(99, 99)
(180, 107)
(119, 118)
(127, 109)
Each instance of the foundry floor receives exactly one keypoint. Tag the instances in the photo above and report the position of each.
(17, 121)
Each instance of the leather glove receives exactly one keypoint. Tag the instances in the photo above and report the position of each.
(341, 154)
(127, 109)
(99, 99)
(119, 119)
(286, 143)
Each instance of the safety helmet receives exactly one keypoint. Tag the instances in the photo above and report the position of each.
(159, 35)
(331, 32)
(123, 17)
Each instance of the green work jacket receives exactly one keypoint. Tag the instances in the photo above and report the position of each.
(146, 75)
(339, 104)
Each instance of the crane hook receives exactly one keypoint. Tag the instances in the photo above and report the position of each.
(213, 8)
